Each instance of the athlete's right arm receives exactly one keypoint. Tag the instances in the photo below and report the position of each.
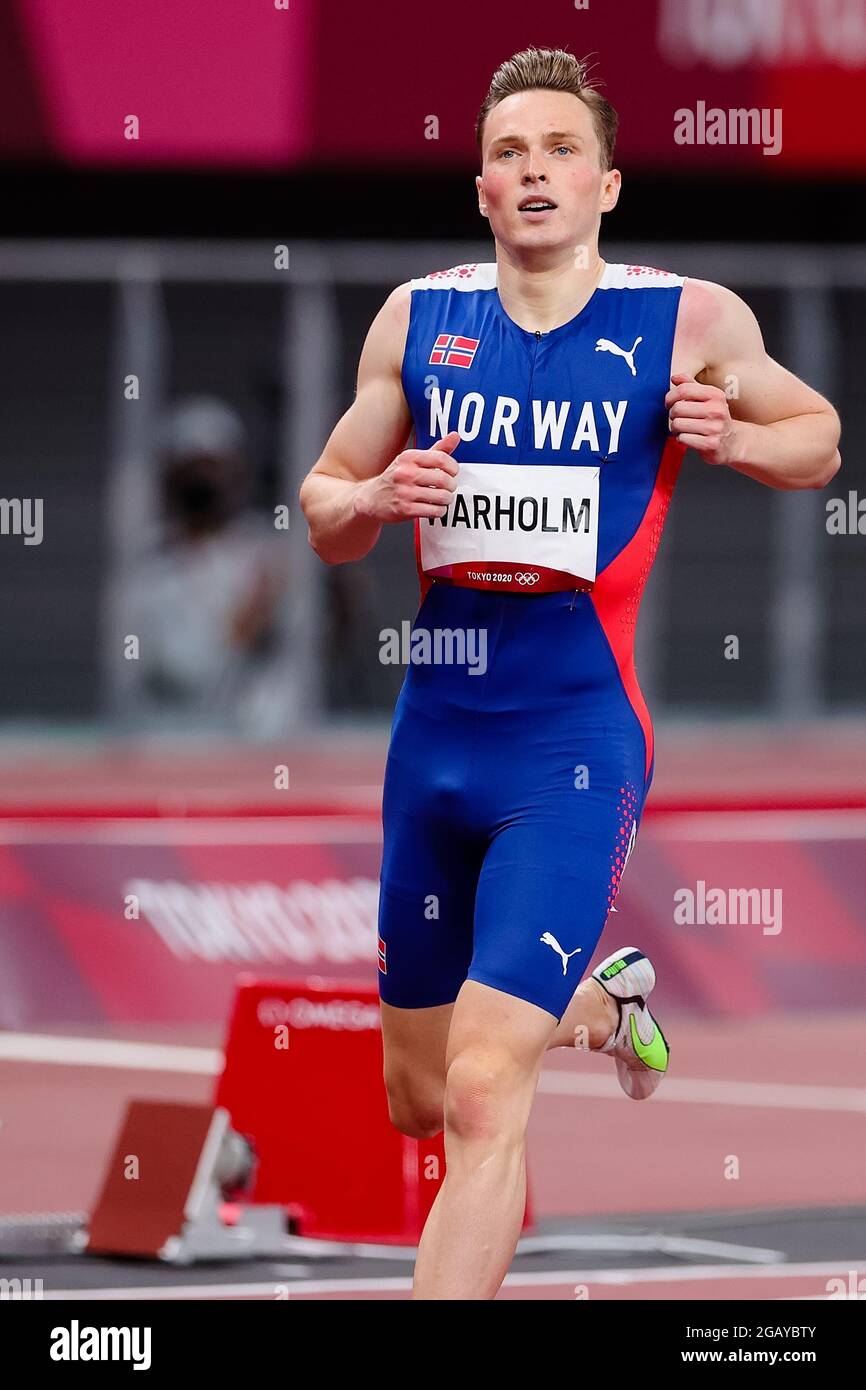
(364, 478)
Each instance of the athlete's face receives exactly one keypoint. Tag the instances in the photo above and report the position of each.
(541, 146)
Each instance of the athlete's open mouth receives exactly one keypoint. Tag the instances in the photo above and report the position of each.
(536, 206)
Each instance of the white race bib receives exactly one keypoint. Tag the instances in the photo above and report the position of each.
(531, 528)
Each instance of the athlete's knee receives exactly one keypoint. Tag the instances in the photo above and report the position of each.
(483, 1088)
(414, 1105)
(415, 1118)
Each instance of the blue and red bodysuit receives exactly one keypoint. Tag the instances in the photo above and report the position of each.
(521, 749)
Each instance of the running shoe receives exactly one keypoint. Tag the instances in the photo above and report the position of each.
(637, 1044)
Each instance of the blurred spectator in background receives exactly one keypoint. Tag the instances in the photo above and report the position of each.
(208, 603)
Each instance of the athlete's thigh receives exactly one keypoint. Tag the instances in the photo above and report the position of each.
(415, 1043)
(489, 1022)
(547, 885)
(429, 876)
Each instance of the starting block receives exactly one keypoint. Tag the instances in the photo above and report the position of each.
(166, 1187)
(298, 1138)
(303, 1082)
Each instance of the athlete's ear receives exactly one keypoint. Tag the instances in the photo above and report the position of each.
(479, 184)
(610, 186)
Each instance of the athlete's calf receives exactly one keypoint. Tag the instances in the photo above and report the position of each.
(495, 1049)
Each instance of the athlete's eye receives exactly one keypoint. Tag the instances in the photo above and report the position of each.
(504, 152)
(567, 148)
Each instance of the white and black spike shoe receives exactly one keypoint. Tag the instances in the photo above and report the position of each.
(637, 1044)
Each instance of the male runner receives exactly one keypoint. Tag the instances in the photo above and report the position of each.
(552, 397)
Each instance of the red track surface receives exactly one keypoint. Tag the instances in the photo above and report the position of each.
(588, 1155)
(591, 1154)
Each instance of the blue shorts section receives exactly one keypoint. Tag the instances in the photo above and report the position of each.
(509, 802)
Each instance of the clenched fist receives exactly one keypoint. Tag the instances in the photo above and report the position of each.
(419, 482)
(699, 417)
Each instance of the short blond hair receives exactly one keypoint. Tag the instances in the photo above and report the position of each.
(552, 70)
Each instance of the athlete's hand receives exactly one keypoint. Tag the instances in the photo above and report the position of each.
(419, 482)
(699, 417)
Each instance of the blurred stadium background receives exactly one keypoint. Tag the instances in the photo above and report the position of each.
(193, 712)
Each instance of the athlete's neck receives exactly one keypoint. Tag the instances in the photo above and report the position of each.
(544, 299)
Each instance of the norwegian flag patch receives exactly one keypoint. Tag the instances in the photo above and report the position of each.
(452, 350)
(383, 964)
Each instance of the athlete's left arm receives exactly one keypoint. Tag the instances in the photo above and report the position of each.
(735, 405)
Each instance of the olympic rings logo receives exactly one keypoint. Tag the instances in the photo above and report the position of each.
(526, 579)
